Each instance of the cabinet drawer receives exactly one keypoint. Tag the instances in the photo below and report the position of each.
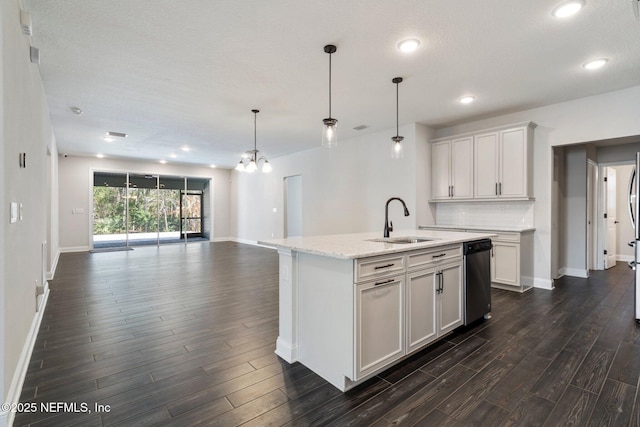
(424, 258)
(379, 266)
(507, 237)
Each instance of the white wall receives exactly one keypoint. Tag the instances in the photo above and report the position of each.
(25, 128)
(600, 117)
(75, 177)
(344, 189)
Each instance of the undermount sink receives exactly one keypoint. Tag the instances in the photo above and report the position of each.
(402, 239)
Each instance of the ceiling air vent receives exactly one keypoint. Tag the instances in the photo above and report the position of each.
(117, 134)
(361, 127)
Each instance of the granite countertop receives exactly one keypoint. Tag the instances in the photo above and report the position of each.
(358, 245)
(510, 228)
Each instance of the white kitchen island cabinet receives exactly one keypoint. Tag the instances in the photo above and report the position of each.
(350, 307)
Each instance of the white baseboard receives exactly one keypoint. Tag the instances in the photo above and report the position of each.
(541, 283)
(17, 381)
(250, 242)
(575, 272)
(74, 249)
(624, 258)
(54, 265)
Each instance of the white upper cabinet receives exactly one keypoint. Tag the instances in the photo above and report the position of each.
(452, 169)
(491, 164)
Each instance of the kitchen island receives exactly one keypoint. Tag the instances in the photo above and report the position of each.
(352, 305)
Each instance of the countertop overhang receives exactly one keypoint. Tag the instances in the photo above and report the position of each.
(359, 245)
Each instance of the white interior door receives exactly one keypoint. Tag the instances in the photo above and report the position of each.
(610, 213)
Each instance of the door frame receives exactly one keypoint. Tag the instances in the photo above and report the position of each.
(593, 174)
(601, 223)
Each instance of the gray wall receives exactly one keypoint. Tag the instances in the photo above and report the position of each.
(25, 128)
(574, 233)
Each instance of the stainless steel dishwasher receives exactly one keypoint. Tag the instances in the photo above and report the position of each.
(477, 280)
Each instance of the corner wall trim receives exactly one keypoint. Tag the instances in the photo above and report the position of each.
(541, 283)
(15, 389)
(576, 272)
(54, 265)
(74, 249)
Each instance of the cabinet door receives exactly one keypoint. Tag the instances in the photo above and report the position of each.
(505, 266)
(513, 163)
(462, 168)
(379, 325)
(450, 297)
(440, 170)
(485, 148)
(421, 308)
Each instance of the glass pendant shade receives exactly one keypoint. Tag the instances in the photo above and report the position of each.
(329, 133)
(240, 166)
(397, 149)
(251, 167)
(266, 168)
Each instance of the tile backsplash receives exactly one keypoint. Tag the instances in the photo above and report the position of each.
(494, 213)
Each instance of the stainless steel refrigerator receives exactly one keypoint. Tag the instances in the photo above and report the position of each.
(634, 213)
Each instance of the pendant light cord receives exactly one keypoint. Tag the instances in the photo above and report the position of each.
(397, 107)
(330, 85)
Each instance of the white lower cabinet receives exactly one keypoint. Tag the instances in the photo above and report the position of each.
(421, 308)
(505, 263)
(512, 261)
(434, 303)
(449, 299)
(379, 324)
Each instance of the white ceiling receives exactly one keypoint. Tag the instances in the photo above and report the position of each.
(172, 73)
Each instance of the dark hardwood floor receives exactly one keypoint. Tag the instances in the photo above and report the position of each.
(183, 336)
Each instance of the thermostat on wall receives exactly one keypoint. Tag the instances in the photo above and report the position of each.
(14, 212)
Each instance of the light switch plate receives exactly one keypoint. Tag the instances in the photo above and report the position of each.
(14, 212)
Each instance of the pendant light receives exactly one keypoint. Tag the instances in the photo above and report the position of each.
(252, 155)
(396, 149)
(329, 135)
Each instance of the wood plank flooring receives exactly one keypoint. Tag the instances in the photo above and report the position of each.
(183, 336)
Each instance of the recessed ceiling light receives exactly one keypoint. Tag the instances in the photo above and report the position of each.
(108, 139)
(595, 64)
(100, 156)
(408, 45)
(185, 148)
(77, 111)
(173, 155)
(213, 166)
(163, 161)
(468, 99)
(568, 8)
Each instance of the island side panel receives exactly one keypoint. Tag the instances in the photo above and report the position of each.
(325, 317)
(287, 344)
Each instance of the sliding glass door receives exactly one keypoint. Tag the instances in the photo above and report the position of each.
(109, 210)
(135, 209)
